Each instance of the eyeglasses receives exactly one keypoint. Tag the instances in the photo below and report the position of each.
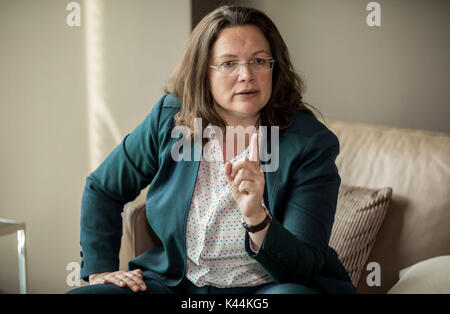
(255, 65)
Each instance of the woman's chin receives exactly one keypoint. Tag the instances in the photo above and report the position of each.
(247, 107)
(241, 109)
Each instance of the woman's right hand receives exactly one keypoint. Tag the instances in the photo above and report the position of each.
(132, 279)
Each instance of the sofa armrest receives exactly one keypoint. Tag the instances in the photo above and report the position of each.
(137, 236)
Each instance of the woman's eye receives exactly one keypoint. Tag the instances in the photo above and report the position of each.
(227, 64)
(260, 61)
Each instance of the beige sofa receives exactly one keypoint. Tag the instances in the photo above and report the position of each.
(413, 244)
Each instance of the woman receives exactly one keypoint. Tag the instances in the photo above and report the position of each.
(235, 72)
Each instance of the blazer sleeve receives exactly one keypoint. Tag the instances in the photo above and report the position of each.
(296, 244)
(128, 169)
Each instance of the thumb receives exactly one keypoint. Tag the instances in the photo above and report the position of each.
(97, 279)
(228, 168)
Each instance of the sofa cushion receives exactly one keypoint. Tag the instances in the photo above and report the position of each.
(416, 164)
(428, 276)
(359, 214)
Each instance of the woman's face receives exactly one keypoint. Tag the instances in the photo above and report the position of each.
(239, 44)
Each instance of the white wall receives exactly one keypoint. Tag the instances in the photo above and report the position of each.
(46, 139)
(396, 74)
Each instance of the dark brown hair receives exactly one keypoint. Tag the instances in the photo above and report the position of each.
(190, 83)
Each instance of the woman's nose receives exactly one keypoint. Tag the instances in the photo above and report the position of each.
(245, 72)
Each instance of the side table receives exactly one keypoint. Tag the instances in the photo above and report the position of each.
(9, 226)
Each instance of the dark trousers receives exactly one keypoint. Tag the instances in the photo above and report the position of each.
(186, 287)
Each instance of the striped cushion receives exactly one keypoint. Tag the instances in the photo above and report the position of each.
(359, 215)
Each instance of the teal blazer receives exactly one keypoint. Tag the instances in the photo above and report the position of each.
(301, 197)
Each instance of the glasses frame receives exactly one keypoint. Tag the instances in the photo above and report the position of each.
(221, 68)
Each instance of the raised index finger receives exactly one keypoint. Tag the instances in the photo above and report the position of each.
(254, 148)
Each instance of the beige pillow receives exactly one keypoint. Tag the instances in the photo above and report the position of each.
(359, 214)
(428, 276)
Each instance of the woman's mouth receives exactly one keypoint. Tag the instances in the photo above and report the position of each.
(247, 94)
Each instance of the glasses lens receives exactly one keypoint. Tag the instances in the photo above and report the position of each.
(256, 65)
(260, 65)
(229, 68)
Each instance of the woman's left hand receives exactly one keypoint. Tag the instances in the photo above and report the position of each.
(246, 181)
